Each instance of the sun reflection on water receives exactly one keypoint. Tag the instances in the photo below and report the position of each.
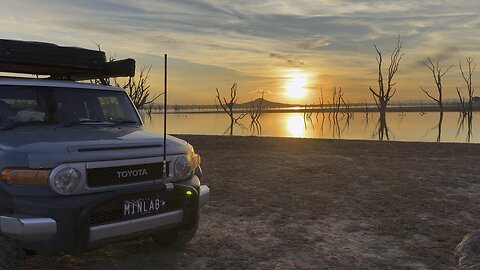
(295, 125)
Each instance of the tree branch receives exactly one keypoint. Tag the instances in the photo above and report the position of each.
(429, 95)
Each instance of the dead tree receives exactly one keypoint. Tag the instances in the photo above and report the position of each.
(467, 77)
(367, 111)
(462, 108)
(228, 106)
(322, 108)
(348, 111)
(256, 109)
(337, 98)
(255, 113)
(320, 105)
(216, 105)
(386, 90)
(149, 108)
(437, 77)
(139, 89)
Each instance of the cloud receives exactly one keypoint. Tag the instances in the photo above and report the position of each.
(449, 54)
(314, 43)
(287, 59)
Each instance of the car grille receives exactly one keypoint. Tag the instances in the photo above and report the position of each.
(100, 177)
(112, 211)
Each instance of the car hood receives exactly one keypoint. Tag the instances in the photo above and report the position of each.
(49, 146)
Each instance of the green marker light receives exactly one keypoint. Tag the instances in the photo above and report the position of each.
(189, 192)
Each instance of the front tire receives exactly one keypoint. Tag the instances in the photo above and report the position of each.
(12, 256)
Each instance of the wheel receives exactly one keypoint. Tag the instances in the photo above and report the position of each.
(12, 256)
(176, 237)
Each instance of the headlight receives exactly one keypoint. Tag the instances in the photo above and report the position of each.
(66, 180)
(183, 167)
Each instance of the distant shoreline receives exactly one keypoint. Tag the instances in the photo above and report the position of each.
(371, 109)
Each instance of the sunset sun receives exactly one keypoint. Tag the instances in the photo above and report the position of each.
(296, 85)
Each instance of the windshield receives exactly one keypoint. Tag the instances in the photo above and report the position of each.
(54, 105)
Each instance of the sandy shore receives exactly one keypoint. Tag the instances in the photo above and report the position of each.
(281, 203)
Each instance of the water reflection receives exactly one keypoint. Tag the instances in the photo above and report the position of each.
(439, 127)
(465, 119)
(409, 126)
(296, 125)
(382, 127)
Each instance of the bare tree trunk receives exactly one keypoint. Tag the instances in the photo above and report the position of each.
(386, 90)
(437, 74)
(437, 77)
(461, 104)
(227, 106)
(139, 89)
(467, 77)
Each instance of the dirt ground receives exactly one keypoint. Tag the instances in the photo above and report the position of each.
(283, 203)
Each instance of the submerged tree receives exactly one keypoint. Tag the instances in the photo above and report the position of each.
(386, 89)
(467, 77)
(228, 106)
(255, 112)
(438, 74)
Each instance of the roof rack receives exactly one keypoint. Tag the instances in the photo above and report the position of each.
(59, 62)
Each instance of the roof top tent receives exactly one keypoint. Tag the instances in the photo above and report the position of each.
(59, 62)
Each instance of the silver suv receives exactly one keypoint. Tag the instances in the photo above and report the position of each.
(79, 171)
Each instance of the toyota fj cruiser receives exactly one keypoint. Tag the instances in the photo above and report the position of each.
(79, 171)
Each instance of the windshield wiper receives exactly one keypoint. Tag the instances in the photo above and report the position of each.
(27, 123)
(99, 122)
(87, 122)
(121, 122)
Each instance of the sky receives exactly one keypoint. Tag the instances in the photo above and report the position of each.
(293, 51)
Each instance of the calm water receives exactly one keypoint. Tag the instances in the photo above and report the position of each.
(401, 127)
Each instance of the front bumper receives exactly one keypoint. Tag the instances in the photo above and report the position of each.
(161, 221)
(203, 195)
(27, 228)
(64, 227)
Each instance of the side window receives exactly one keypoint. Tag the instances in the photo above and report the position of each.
(111, 107)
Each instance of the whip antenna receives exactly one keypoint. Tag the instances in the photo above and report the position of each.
(165, 176)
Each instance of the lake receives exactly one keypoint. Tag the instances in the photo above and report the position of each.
(410, 126)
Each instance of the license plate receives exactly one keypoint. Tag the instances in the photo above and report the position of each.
(142, 206)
